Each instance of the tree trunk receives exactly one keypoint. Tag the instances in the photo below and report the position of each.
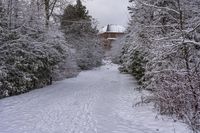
(9, 14)
(46, 3)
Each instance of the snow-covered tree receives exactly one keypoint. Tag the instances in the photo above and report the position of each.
(34, 51)
(30, 55)
(165, 34)
(80, 33)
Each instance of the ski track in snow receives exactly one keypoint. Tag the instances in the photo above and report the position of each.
(97, 101)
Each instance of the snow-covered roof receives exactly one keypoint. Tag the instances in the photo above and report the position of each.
(112, 28)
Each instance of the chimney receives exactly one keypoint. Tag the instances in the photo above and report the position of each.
(108, 28)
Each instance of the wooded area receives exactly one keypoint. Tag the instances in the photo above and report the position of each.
(161, 50)
(38, 45)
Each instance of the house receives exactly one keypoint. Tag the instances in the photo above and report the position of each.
(110, 33)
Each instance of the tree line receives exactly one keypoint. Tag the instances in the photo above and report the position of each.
(162, 50)
(39, 46)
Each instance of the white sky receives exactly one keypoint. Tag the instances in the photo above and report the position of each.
(108, 11)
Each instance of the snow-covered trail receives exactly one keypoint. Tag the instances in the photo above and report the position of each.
(97, 101)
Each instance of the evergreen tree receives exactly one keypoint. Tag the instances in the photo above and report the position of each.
(81, 11)
(79, 32)
(75, 14)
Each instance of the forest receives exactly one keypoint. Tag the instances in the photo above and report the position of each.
(42, 41)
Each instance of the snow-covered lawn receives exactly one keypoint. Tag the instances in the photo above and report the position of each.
(97, 101)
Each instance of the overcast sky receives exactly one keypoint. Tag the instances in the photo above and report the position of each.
(108, 11)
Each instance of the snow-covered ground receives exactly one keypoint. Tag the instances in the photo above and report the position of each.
(97, 101)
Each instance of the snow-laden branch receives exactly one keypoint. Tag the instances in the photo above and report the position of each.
(192, 42)
(76, 21)
(192, 30)
(53, 6)
(180, 72)
(170, 37)
(159, 7)
(161, 26)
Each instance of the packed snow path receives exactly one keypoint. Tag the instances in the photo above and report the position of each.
(97, 101)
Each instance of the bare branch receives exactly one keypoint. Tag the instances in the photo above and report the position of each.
(158, 7)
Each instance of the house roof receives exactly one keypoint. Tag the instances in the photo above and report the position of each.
(112, 28)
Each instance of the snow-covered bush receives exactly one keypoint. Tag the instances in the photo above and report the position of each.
(32, 55)
(67, 66)
(28, 63)
(89, 53)
(134, 53)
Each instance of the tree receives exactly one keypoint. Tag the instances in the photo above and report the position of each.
(166, 34)
(81, 11)
(49, 6)
(3, 17)
(31, 56)
(76, 14)
(79, 32)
